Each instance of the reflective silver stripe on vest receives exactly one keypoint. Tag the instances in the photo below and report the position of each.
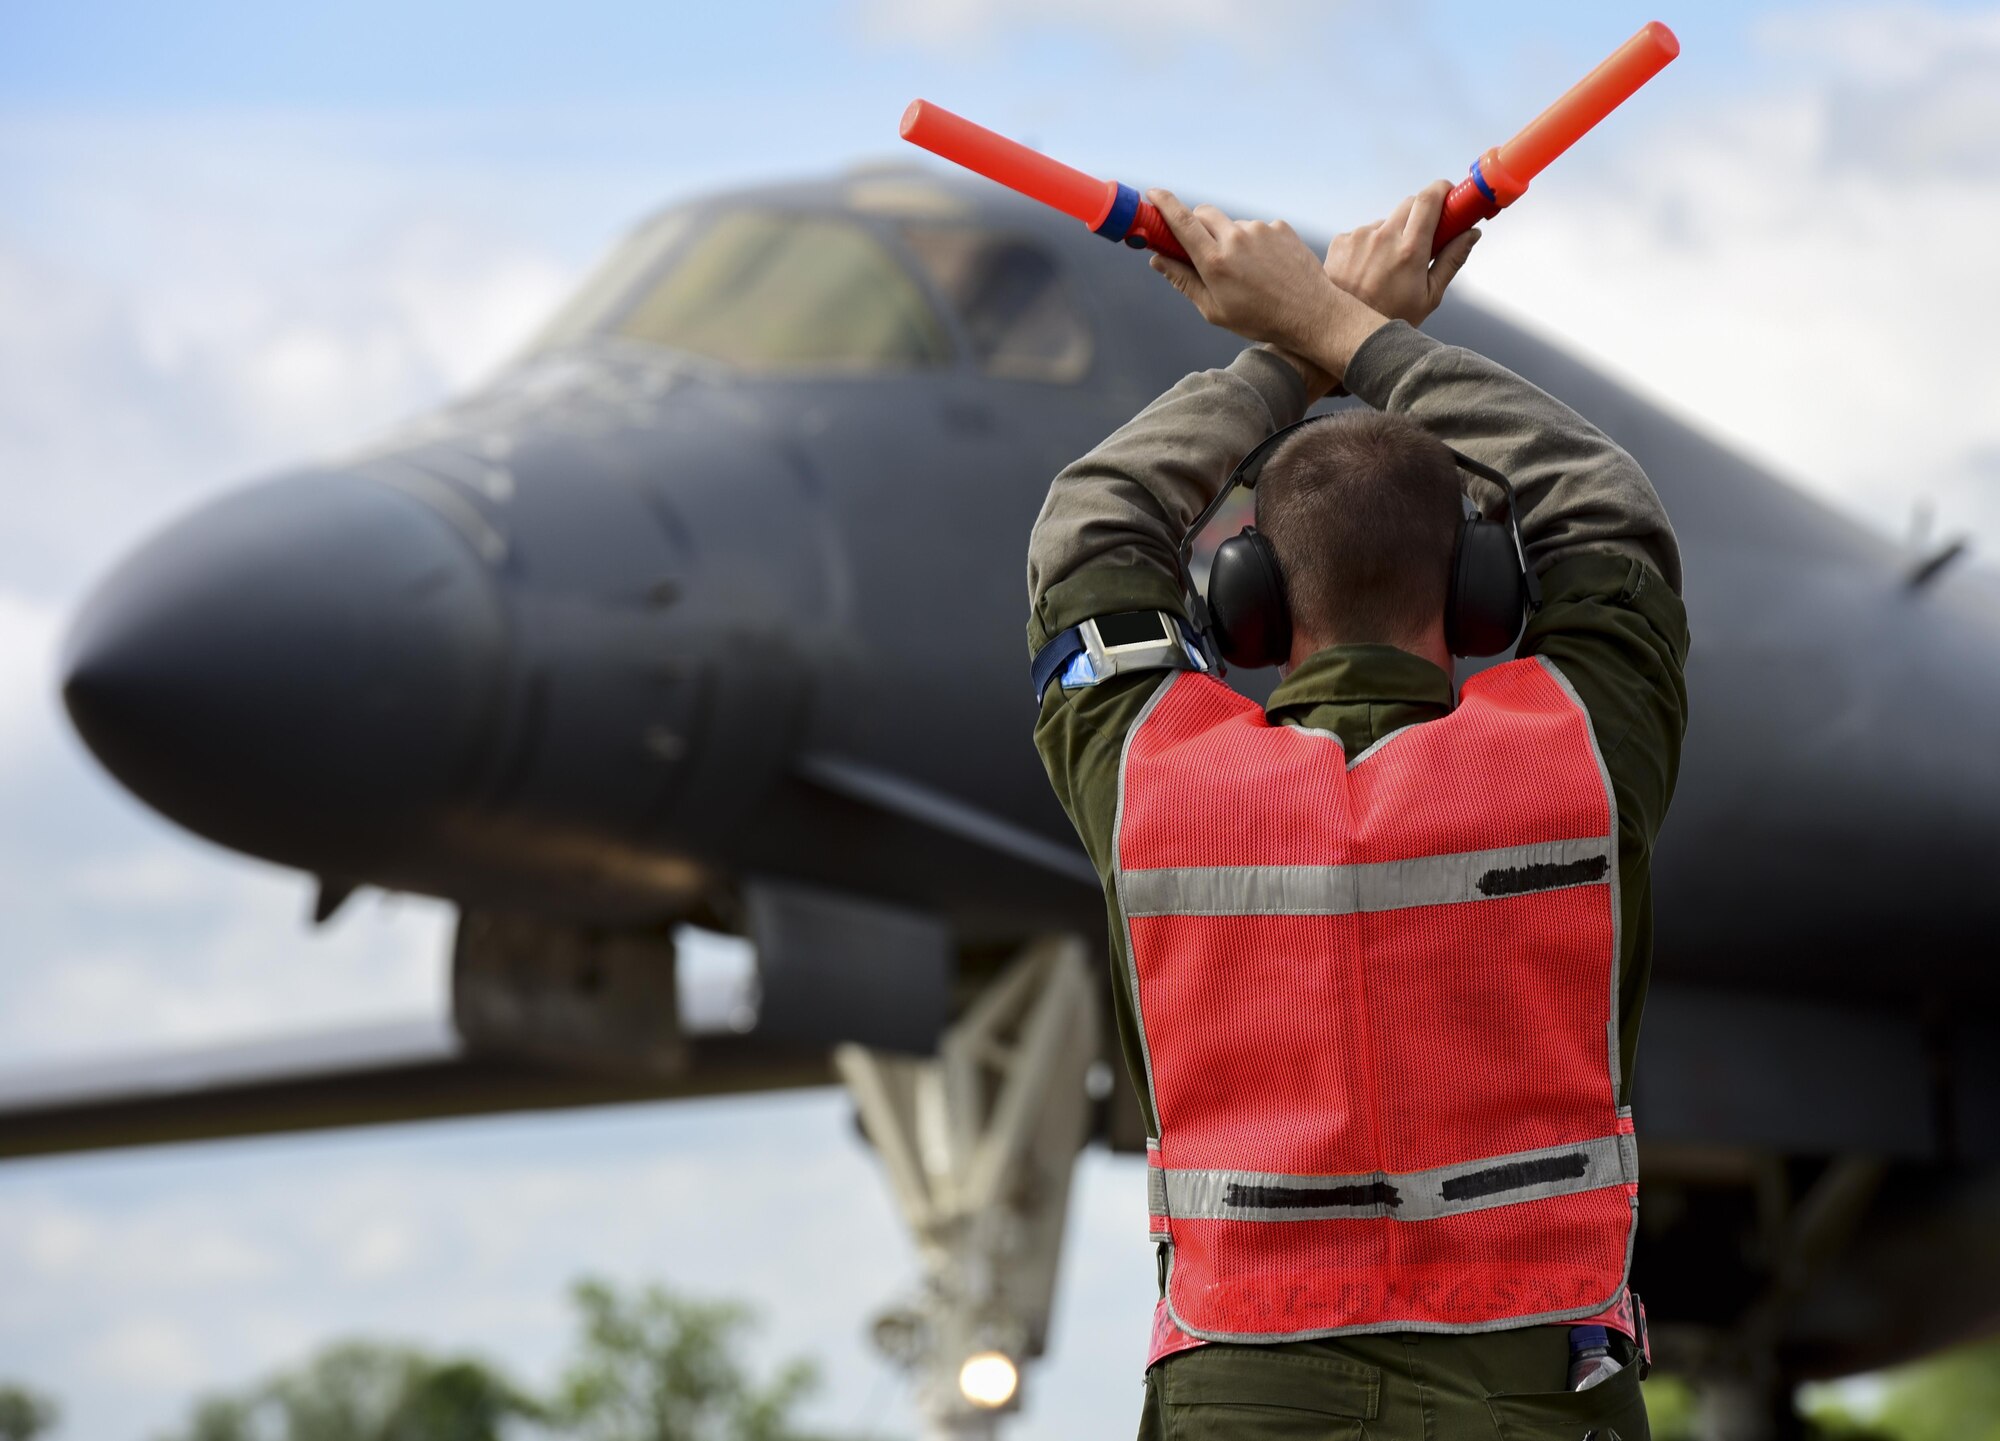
(1156, 1190)
(1377, 886)
(1412, 1196)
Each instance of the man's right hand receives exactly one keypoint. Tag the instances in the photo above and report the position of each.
(1387, 264)
(1261, 281)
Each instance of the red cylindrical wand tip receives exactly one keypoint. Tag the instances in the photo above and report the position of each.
(1112, 210)
(1588, 101)
(997, 158)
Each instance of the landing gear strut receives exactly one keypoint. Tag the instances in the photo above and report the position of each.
(978, 1145)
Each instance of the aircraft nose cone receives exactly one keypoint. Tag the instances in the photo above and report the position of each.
(298, 670)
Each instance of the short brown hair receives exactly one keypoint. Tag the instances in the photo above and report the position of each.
(1364, 511)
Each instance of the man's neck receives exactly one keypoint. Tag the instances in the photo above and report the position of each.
(1430, 647)
(1360, 692)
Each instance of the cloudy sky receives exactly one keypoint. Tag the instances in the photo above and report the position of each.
(233, 235)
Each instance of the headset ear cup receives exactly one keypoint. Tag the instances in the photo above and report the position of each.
(1489, 595)
(1246, 602)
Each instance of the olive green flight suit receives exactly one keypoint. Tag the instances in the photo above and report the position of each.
(1505, 1384)
(1611, 620)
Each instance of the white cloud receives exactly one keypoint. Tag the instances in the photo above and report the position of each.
(382, 1248)
(153, 354)
(1820, 301)
(200, 949)
(28, 632)
(173, 1245)
(153, 1353)
(51, 1242)
(467, 301)
(1906, 90)
(1878, 44)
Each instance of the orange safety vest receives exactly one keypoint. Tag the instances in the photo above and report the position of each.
(1377, 1001)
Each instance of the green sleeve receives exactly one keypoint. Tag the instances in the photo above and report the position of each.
(1618, 634)
(1081, 737)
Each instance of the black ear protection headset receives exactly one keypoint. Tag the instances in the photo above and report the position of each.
(1248, 622)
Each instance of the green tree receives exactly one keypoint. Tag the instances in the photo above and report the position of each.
(23, 1414)
(367, 1391)
(647, 1366)
(1952, 1397)
(653, 1366)
(1670, 1407)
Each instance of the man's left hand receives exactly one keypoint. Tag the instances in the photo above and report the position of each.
(1387, 264)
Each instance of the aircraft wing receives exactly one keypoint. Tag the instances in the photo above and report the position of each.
(357, 1077)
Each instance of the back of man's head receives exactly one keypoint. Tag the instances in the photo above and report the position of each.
(1364, 511)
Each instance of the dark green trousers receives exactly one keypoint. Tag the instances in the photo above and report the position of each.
(1502, 1386)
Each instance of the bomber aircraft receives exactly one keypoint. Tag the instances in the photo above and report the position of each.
(708, 609)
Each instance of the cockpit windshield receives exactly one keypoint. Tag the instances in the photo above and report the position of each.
(780, 290)
(763, 289)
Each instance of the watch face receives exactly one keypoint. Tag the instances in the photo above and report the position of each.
(1132, 627)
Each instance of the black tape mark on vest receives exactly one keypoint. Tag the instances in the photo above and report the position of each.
(1515, 1176)
(1310, 1198)
(1542, 876)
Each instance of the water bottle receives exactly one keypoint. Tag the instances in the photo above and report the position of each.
(1590, 1360)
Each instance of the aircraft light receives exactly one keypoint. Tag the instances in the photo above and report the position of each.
(989, 1379)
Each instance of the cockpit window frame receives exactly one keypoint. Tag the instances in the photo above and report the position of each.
(1073, 295)
(681, 224)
